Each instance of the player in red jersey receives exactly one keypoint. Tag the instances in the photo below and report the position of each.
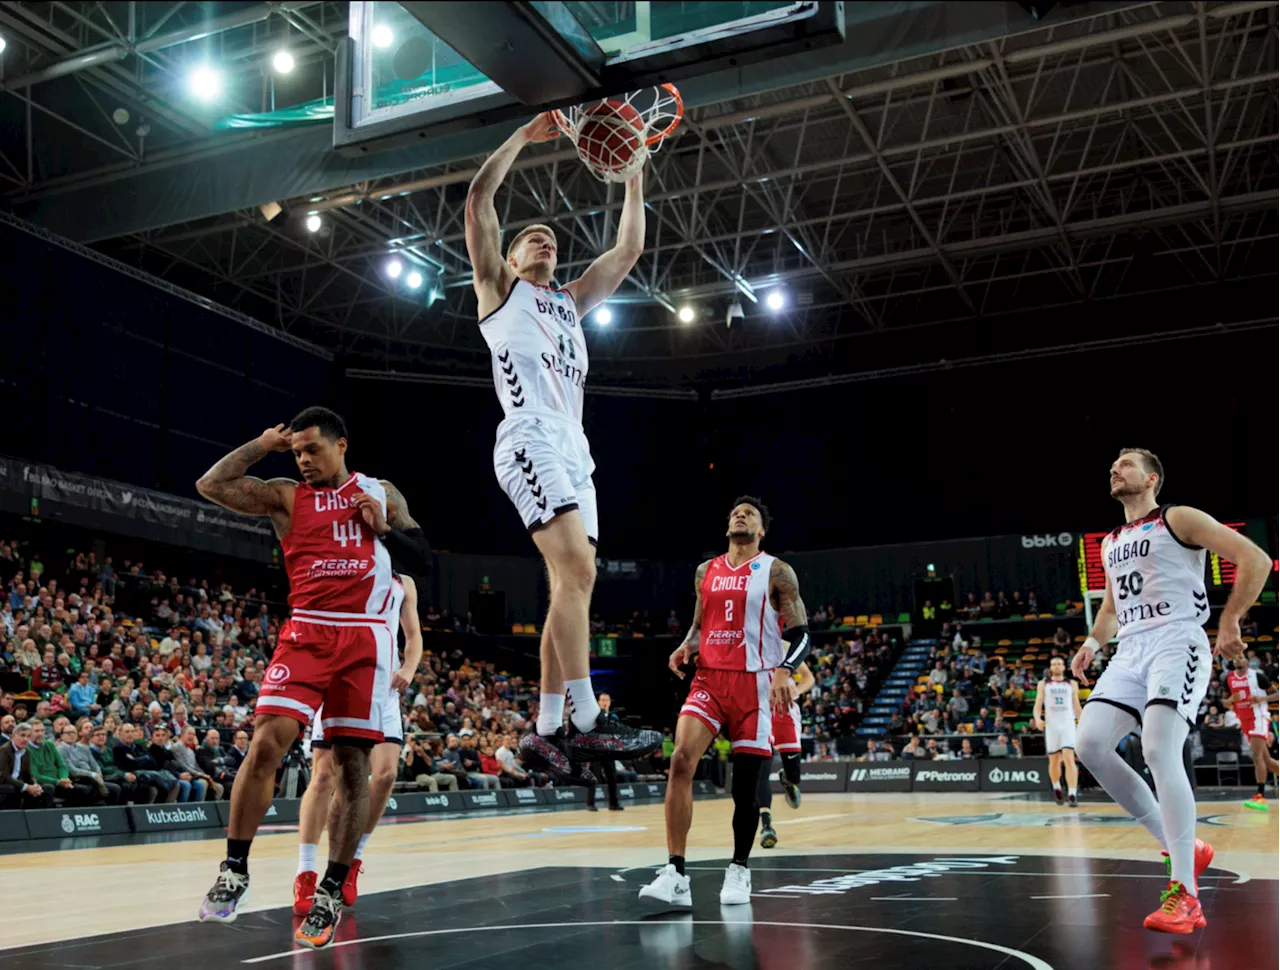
(750, 634)
(1251, 695)
(786, 742)
(340, 533)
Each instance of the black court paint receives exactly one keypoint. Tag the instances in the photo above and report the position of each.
(961, 912)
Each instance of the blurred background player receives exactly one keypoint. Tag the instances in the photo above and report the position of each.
(384, 761)
(1156, 604)
(786, 742)
(1056, 712)
(542, 458)
(749, 635)
(1251, 695)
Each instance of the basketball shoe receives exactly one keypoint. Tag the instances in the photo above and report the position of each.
(229, 893)
(768, 837)
(304, 891)
(610, 738)
(550, 752)
(349, 889)
(1258, 803)
(1179, 912)
(670, 887)
(1204, 856)
(318, 928)
(736, 890)
(790, 792)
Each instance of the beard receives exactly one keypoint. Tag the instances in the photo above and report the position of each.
(741, 533)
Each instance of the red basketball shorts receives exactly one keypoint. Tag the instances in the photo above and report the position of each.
(339, 660)
(735, 701)
(786, 730)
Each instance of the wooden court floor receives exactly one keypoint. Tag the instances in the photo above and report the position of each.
(147, 884)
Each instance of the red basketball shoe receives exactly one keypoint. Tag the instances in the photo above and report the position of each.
(1179, 912)
(349, 890)
(304, 891)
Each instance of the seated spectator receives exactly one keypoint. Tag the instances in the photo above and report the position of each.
(18, 785)
(183, 749)
(1214, 718)
(1016, 606)
(213, 762)
(966, 750)
(912, 748)
(938, 676)
(421, 768)
(1003, 609)
(932, 752)
(83, 767)
(1018, 682)
(508, 776)
(190, 788)
(132, 788)
(987, 607)
(957, 707)
(238, 752)
(1062, 639)
(50, 771)
(999, 748)
(983, 723)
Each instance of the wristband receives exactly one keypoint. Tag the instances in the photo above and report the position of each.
(1092, 644)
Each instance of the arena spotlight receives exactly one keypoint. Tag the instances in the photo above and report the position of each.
(413, 280)
(282, 62)
(205, 83)
(313, 222)
(382, 36)
(604, 316)
(394, 267)
(775, 301)
(686, 314)
(2, 43)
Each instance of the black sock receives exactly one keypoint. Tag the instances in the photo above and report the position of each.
(766, 820)
(334, 876)
(238, 855)
(678, 862)
(1262, 789)
(741, 862)
(791, 767)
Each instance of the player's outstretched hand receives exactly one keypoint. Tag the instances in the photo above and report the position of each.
(680, 656)
(542, 128)
(371, 510)
(1228, 643)
(783, 691)
(1080, 663)
(279, 438)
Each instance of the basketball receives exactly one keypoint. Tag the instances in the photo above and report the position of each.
(610, 136)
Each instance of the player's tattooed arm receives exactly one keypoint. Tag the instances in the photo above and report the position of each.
(688, 648)
(398, 516)
(784, 590)
(226, 483)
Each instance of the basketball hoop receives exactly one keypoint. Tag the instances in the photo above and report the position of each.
(615, 136)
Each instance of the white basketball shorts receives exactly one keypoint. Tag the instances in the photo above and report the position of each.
(543, 463)
(1059, 733)
(392, 725)
(1168, 665)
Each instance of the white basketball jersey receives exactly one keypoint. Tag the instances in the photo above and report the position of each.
(1058, 696)
(1155, 577)
(539, 354)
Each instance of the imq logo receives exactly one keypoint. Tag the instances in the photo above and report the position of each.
(951, 777)
(999, 776)
(88, 822)
(1061, 541)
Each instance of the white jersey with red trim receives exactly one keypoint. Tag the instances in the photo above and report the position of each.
(740, 628)
(1156, 578)
(337, 566)
(539, 354)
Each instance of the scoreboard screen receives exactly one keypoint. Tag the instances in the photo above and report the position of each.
(1093, 575)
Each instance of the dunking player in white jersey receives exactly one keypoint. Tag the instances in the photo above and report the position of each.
(1156, 604)
(341, 533)
(749, 636)
(543, 462)
(1057, 708)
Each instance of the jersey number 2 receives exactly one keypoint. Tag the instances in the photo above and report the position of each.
(345, 532)
(728, 611)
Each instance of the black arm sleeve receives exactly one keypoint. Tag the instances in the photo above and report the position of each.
(1264, 682)
(797, 647)
(410, 551)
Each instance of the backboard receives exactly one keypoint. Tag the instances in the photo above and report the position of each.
(403, 72)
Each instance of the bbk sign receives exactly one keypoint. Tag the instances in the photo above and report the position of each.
(1063, 540)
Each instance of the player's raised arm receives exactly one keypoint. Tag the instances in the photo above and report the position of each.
(606, 274)
(226, 483)
(1195, 528)
(491, 274)
(688, 648)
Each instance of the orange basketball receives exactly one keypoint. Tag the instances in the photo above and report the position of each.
(610, 136)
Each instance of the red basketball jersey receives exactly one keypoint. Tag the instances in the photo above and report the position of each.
(1241, 682)
(336, 564)
(740, 628)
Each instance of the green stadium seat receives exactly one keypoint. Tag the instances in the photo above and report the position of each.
(904, 617)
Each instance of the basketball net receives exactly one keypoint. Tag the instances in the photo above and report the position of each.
(614, 137)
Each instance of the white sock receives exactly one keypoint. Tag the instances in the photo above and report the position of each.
(1163, 733)
(1057, 787)
(1101, 728)
(583, 709)
(364, 840)
(307, 857)
(550, 714)
(1071, 792)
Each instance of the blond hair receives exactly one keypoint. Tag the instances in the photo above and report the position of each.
(536, 227)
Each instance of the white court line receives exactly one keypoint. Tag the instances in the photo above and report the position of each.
(1080, 896)
(916, 899)
(1034, 962)
(617, 878)
(812, 818)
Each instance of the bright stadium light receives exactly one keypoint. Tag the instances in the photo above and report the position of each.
(382, 36)
(282, 62)
(414, 280)
(2, 43)
(313, 222)
(205, 83)
(604, 316)
(775, 301)
(394, 267)
(686, 314)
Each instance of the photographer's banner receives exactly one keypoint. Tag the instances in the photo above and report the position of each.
(27, 488)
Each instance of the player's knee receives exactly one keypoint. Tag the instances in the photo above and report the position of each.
(1091, 746)
(1160, 754)
(683, 763)
(577, 572)
(383, 777)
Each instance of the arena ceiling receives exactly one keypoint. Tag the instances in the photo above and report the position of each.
(1105, 151)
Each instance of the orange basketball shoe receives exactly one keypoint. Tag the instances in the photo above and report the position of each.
(1179, 912)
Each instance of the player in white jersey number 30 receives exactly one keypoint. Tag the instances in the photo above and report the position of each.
(1156, 604)
(543, 462)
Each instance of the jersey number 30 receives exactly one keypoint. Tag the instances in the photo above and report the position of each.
(1130, 585)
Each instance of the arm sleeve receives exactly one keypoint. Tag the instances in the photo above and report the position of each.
(1264, 683)
(797, 647)
(410, 551)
